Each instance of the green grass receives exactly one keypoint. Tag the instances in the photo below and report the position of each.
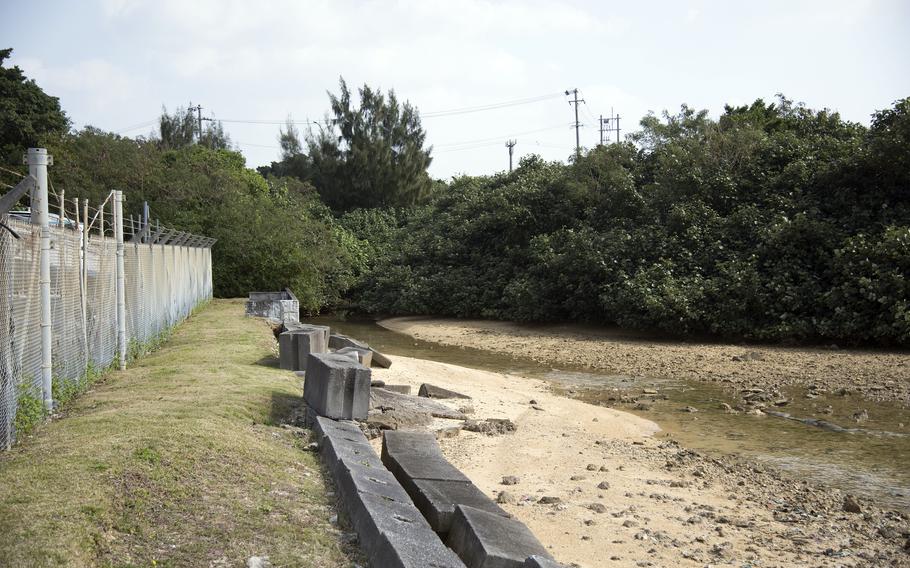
(181, 460)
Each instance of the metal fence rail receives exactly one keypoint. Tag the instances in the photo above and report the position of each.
(166, 274)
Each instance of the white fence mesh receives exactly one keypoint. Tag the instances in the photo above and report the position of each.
(164, 282)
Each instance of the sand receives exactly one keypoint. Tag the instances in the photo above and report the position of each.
(665, 505)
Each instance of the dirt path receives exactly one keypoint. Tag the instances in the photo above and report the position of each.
(876, 375)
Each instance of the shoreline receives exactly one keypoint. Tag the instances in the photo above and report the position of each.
(873, 375)
(622, 494)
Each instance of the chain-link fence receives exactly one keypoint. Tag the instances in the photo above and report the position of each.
(165, 278)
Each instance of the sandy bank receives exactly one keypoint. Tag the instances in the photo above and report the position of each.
(661, 505)
(876, 375)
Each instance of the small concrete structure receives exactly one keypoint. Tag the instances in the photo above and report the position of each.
(437, 501)
(295, 345)
(280, 307)
(337, 387)
(488, 540)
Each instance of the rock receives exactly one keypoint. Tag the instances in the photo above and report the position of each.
(258, 562)
(506, 498)
(851, 505)
(591, 467)
(629, 523)
(448, 432)
(397, 419)
(689, 409)
(727, 408)
(510, 480)
(577, 478)
(466, 409)
(535, 407)
(532, 401)
(377, 384)
(549, 500)
(490, 426)
(400, 389)
(603, 468)
(432, 391)
(861, 415)
(603, 485)
(597, 508)
(649, 391)
(750, 356)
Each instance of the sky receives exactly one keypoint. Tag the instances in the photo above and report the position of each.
(115, 63)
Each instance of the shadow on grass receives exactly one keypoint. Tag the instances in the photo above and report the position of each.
(286, 409)
(269, 361)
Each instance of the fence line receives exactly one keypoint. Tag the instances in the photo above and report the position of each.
(166, 274)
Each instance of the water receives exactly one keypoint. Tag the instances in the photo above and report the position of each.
(873, 462)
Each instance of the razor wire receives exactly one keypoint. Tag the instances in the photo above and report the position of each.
(165, 279)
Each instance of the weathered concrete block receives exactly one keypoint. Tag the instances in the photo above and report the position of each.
(488, 540)
(323, 427)
(541, 562)
(308, 341)
(287, 351)
(354, 477)
(416, 455)
(363, 356)
(395, 535)
(338, 450)
(337, 387)
(431, 391)
(437, 501)
(338, 341)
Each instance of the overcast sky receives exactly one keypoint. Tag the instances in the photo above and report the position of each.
(114, 63)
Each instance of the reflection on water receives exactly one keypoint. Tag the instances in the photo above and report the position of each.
(865, 463)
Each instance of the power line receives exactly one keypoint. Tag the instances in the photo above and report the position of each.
(500, 137)
(493, 106)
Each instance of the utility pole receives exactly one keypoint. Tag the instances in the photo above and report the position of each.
(601, 128)
(198, 109)
(605, 125)
(510, 144)
(577, 124)
(617, 129)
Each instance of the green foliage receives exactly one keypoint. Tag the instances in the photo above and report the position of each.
(372, 155)
(182, 129)
(774, 222)
(28, 116)
(29, 410)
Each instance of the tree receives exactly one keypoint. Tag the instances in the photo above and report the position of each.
(371, 155)
(28, 116)
(182, 129)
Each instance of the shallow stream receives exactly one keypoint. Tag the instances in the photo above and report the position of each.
(871, 460)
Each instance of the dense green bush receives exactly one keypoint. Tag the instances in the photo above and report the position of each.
(774, 222)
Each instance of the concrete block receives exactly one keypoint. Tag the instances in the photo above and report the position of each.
(308, 341)
(339, 451)
(337, 387)
(338, 341)
(287, 351)
(437, 501)
(541, 562)
(354, 477)
(431, 391)
(395, 535)
(364, 356)
(323, 427)
(488, 540)
(416, 455)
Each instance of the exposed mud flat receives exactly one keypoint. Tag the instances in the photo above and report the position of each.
(600, 487)
(875, 375)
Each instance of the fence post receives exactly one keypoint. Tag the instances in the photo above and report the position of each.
(38, 160)
(121, 280)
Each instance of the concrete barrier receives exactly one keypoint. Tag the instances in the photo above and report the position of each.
(391, 530)
(337, 387)
(541, 562)
(487, 540)
(434, 484)
(432, 391)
